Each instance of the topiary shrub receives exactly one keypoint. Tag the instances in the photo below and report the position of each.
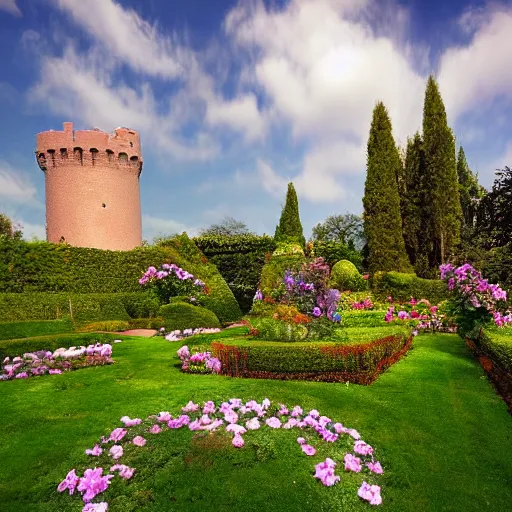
(108, 325)
(345, 276)
(180, 315)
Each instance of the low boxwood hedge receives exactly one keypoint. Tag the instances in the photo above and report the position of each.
(18, 347)
(106, 325)
(180, 315)
(322, 361)
(363, 318)
(13, 330)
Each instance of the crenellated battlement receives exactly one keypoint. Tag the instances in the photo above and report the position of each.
(89, 148)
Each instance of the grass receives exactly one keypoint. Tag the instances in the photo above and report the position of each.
(440, 431)
(26, 329)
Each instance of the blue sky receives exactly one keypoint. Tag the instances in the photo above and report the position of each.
(235, 99)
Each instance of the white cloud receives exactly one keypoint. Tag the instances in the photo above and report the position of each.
(15, 186)
(11, 7)
(155, 226)
(473, 75)
(270, 180)
(33, 231)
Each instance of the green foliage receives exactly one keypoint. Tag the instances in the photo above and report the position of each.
(140, 304)
(404, 286)
(13, 330)
(345, 276)
(345, 229)
(107, 325)
(381, 201)
(363, 318)
(288, 248)
(180, 315)
(276, 330)
(18, 347)
(413, 197)
(496, 343)
(146, 323)
(289, 228)
(332, 251)
(240, 260)
(469, 190)
(273, 271)
(228, 227)
(442, 214)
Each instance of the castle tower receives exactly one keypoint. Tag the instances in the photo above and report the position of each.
(92, 187)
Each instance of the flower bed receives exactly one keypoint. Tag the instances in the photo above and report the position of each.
(236, 419)
(331, 362)
(178, 335)
(43, 362)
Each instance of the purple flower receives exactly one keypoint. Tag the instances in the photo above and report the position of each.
(130, 423)
(402, 315)
(93, 483)
(297, 411)
(163, 417)
(125, 472)
(95, 452)
(273, 422)
(258, 295)
(375, 467)
(138, 441)
(308, 449)
(70, 482)
(325, 472)
(301, 440)
(317, 311)
(155, 429)
(253, 424)
(238, 430)
(190, 407)
(362, 448)
(370, 493)
(116, 451)
(22, 375)
(237, 442)
(209, 407)
(352, 463)
(117, 434)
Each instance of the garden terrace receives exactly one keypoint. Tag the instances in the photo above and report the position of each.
(410, 414)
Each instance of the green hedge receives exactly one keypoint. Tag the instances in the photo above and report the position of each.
(180, 315)
(332, 252)
(146, 323)
(18, 347)
(240, 260)
(105, 325)
(497, 345)
(359, 363)
(404, 286)
(44, 267)
(13, 330)
(273, 272)
(345, 276)
(363, 318)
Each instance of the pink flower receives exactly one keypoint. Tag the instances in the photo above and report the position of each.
(205, 419)
(95, 452)
(314, 413)
(292, 422)
(362, 448)
(231, 416)
(238, 430)
(283, 411)
(296, 411)
(54, 372)
(163, 417)
(375, 467)
(325, 472)
(116, 451)
(155, 429)
(96, 507)
(253, 424)
(117, 434)
(237, 442)
(353, 433)
(273, 422)
(266, 403)
(70, 482)
(308, 449)
(214, 425)
(352, 463)
(370, 493)
(190, 407)
(195, 425)
(125, 472)
(93, 483)
(339, 428)
(130, 423)
(301, 440)
(22, 375)
(138, 441)
(324, 420)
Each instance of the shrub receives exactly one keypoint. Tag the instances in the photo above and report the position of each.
(345, 276)
(497, 345)
(363, 318)
(13, 330)
(288, 248)
(146, 323)
(402, 287)
(276, 330)
(333, 252)
(13, 348)
(289, 228)
(180, 315)
(335, 362)
(140, 304)
(273, 271)
(109, 325)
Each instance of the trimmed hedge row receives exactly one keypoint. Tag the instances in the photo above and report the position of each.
(82, 307)
(363, 318)
(494, 351)
(13, 330)
(180, 315)
(44, 267)
(332, 362)
(404, 286)
(240, 260)
(18, 347)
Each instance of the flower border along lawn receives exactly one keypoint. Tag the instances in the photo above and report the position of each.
(444, 437)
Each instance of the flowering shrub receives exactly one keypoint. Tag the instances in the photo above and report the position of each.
(474, 300)
(237, 419)
(45, 362)
(171, 281)
(178, 335)
(199, 361)
(364, 304)
(286, 248)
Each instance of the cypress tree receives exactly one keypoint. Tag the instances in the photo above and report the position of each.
(443, 213)
(289, 228)
(413, 197)
(381, 201)
(469, 190)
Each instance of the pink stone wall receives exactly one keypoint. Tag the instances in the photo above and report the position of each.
(92, 187)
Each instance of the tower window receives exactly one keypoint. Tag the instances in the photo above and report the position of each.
(103, 205)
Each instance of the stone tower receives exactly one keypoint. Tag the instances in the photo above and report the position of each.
(92, 187)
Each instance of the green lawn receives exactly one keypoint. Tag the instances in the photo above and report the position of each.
(441, 433)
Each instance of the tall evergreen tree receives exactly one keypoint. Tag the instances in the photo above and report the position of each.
(443, 212)
(289, 228)
(381, 201)
(413, 198)
(469, 190)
